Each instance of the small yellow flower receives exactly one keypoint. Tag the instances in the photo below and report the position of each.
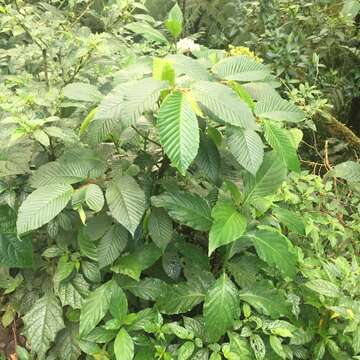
(241, 50)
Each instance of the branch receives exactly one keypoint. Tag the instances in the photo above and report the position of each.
(145, 137)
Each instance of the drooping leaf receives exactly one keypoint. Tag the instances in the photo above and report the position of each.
(240, 68)
(42, 205)
(275, 108)
(82, 92)
(160, 227)
(94, 308)
(147, 31)
(227, 227)
(223, 104)
(111, 245)
(247, 148)
(42, 323)
(276, 250)
(133, 264)
(186, 208)
(123, 346)
(15, 252)
(268, 179)
(290, 219)
(178, 128)
(280, 140)
(126, 201)
(266, 299)
(221, 308)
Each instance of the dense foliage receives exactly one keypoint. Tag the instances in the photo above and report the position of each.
(153, 204)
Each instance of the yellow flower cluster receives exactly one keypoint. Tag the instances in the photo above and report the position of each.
(241, 50)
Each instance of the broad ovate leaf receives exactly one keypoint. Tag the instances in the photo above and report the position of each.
(82, 92)
(227, 227)
(179, 132)
(123, 346)
(221, 308)
(41, 206)
(281, 141)
(126, 201)
(160, 227)
(175, 21)
(247, 148)
(42, 323)
(186, 208)
(94, 197)
(278, 109)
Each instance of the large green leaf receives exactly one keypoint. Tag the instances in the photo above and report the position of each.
(276, 250)
(269, 177)
(146, 289)
(266, 299)
(185, 65)
(133, 264)
(14, 159)
(224, 104)
(111, 245)
(73, 292)
(147, 31)
(186, 208)
(42, 205)
(42, 323)
(348, 170)
(15, 252)
(227, 227)
(179, 132)
(260, 90)
(160, 227)
(175, 21)
(324, 287)
(280, 140)
(67, 343)
(247, 148)
(94, 197)
(240, 347)
(123, 346)
(82, 92)
(94, 308)
(240, 68)
(291, 220)
(275, 108)
(208, 158)
(126, 201)
(221, 308)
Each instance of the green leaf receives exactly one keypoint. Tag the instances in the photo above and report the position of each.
(208, 158)
(175, 21)
(348, 170)
(247, 148)
(260, 90)
(42, 323)
(160, 227)
(179, 132)
(291, 220)
(123, 346)
(268, 179)
(240, 68)
(15, 252)
(227, 227)
(275, 108)
(111, 245)
(324, 287)
(82, 92)
(126, 201)
(186, 350)
(163, 70)
(147, 31)
(277, 346)
(276, 250)
(266, 299)
(67, 344)
(133, 264)
(223, 104)
(94, 308)
(7, 220)
(280, 140)
(118, 304)
(94, 197)
(146, 289)
(240, 346)
(41, 206)
(185, 65)
(73, 292)
(221, 308)
(186, 208)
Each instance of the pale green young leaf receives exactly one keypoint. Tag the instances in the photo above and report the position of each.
(42, 323)
(42, 205)
(179, 132)
(123, 346)
(227, 227)
(324, 287)
(147, 31)
(186, 350)
(126, 201)
(221, 308)
(186, 208)
(94, 308)
(175, 21)
(163, 70)
(94, 197)
(247, 148)
(82, 92)
(281, 141)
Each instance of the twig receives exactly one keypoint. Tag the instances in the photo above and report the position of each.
(44, 53)
(145, 137)
(83, 13)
